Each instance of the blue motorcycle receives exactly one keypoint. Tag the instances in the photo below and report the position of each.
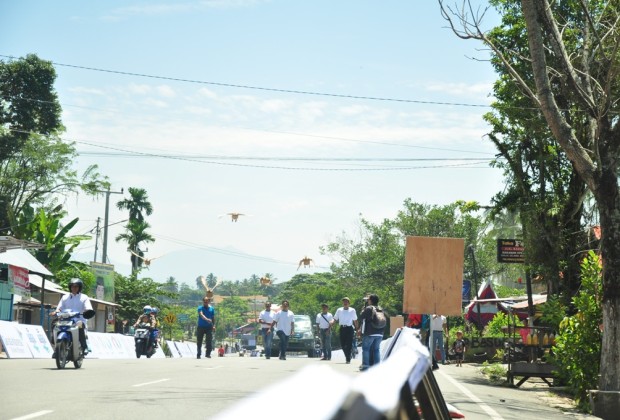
(67, 338)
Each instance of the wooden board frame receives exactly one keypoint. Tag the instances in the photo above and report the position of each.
(433, 275)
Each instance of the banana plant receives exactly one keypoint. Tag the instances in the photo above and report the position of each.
(58, 244)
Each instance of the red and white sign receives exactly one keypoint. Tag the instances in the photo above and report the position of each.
(19, 283)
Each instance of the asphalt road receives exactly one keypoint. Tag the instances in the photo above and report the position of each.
(190, 388)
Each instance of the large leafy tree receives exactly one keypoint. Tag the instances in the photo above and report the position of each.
(230, 314)
(133, 294)
(35, 163)
(137, 204)
(306, 292)
(189, 296)
(573, 59)
(28, 102)
(136, 228)
(78, 270)
(374, 261)
(134, 235)
(541, 184)
(171, 285)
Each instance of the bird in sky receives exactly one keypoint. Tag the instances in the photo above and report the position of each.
(305, 261)
(146, 261)
(209, 290)
(234, 216)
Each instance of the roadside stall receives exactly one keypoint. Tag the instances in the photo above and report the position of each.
(527, 348)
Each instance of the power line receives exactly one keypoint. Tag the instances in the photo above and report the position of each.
(261, 88)
(381, 143)
(191, 159)
(279, 159)
(212, 162)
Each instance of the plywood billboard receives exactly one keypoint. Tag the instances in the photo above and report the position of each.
(433, 275)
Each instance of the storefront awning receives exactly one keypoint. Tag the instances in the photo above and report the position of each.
(52, 287)
(37, 281)
(24, 259)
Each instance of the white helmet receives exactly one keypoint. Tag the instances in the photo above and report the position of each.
(147, 309)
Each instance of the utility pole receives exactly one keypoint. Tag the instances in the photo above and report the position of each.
(97, 239)
(104, 257)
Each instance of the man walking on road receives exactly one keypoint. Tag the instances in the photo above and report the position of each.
(325, 320)
(285, 321)
(206, 326)
(266, 321)
(372, 332)
(347, 319)
(438, 328)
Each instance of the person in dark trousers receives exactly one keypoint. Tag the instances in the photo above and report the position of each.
(347, 319)
(372, 335)
(324, 321)
(285, 327)
(206, 326)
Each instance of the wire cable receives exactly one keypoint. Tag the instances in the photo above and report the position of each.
(381, 143)
(268, 89)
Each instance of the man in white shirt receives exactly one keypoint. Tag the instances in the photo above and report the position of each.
(347, 319)
(438, 328)
(76, 301)
(285, 322)
(324, 320)
(266, 321)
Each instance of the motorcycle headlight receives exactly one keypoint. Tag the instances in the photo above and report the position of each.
(65, 323)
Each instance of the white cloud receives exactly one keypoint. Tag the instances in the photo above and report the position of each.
(208, 93)
(477, 90)
(140, 89)
(273, 106)
(166, 91)
(81, 90)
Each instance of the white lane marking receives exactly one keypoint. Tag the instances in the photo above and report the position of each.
(494, 414)
(151, 383)
(212, 367)
(34, 415)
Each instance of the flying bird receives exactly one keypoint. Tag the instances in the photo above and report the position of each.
(209, 290)
(305, 261)
(145, 261)
(234, 216)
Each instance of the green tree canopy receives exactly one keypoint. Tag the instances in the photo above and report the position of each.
(137, 204)
(28, 102)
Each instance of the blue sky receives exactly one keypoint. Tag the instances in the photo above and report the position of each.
(233, 133)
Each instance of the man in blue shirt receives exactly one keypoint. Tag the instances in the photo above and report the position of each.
(206, 326)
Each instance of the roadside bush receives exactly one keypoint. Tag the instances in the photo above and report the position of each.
(494, 327)
(578, 342)
(496, 372)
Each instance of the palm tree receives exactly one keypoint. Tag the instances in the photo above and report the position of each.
(138, 203)
(135, 234)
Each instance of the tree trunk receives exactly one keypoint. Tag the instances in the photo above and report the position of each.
(601, 180)
(608, 200)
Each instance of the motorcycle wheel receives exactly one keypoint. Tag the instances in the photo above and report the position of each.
(139, 347)
(78, 363)
(62, 353)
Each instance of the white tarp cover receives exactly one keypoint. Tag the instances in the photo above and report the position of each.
(23, 258)
(37, 281)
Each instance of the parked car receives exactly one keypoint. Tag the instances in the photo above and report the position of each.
(303, 340)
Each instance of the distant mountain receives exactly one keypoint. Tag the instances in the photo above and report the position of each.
(186, 265)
